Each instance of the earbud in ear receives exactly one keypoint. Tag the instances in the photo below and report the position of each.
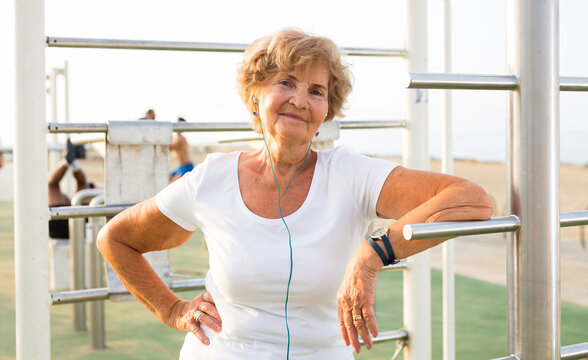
(315, 135)
(254, 114)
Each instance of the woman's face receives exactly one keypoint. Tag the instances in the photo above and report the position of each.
(294, 104)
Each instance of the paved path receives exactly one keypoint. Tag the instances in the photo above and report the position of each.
(484, 258)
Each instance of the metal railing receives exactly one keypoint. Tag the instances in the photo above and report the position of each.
(495, 225)
(53, 41)
(482, 82)
(72, 128)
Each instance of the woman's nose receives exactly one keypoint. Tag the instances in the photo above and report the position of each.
(299, 98)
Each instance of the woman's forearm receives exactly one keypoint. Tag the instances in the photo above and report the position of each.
(138, 277)
(459, 203)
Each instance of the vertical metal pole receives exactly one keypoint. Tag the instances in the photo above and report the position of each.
(77, 267)
(54, 156)
(31, 252)
(417, 278)
(447, 168)
(534, 185)
(65, 73)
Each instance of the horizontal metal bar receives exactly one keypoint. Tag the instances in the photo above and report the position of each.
(211, 126)
(461, 81)
(574, 352)
(75, 296)
(567, 83)
(68, 297)
(511, 357)
(83, 211)
(482, 82)
(494, 225)
(401, 265)
(71, 128)
(460, 228)
(53, 41)
(573, 218)
(393, 335)
(372, 124)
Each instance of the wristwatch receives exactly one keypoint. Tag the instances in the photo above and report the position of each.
(382, 235)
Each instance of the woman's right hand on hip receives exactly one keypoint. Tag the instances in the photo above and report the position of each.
(189, 315)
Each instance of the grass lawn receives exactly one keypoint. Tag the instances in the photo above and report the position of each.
(133, 333)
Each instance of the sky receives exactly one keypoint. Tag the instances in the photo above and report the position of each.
(122, 84)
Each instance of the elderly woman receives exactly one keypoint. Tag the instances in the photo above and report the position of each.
(290, 273)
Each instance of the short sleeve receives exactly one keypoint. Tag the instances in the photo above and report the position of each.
(177, 201)
(364, 176)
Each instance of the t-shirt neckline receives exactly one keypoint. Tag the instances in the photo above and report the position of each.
(295, 214)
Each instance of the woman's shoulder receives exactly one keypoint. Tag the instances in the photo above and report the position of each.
(341, 153)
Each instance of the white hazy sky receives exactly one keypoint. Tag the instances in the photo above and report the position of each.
(122, 84)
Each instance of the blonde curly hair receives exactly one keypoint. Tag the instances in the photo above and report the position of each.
(289, 50)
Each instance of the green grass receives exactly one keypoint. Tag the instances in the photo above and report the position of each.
(133, 333)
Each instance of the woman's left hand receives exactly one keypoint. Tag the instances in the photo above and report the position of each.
(356, 297)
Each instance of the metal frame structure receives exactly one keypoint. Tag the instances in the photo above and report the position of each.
(533, 175)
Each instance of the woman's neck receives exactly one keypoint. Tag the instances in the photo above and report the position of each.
(287, 159)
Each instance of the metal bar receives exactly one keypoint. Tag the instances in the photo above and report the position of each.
(53, 41)
(212, 126)
(533, 56)
(372, 124)
(573, 218)
(574, 352)
(415, 155)
(482, 82)
(97, 330)
(67, 212)
(461, 228)
(567, 83)
(69, 297)
(77, 241)
(511, 357)
(448, 247)
(393, 335)
(460, 81)
(31, 253)
(401, 265)
(71, 128)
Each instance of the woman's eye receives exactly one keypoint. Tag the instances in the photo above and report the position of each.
(285, 83)
(317, 93)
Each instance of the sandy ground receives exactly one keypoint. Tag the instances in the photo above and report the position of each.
(482, 257)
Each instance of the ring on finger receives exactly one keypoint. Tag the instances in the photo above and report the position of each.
(197, 315)
(357, 318)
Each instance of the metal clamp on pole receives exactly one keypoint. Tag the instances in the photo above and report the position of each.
(460, 81)
(455, 228)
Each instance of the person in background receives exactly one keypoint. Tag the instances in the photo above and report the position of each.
(59, 229)
(291, 273)
(149, 115)
(181, 148)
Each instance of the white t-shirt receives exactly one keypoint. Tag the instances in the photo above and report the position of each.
(250, 255)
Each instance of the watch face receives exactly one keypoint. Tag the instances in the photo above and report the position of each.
(379, 233)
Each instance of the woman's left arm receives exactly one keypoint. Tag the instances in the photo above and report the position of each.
(410, 196)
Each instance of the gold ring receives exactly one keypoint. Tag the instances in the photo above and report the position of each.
(197, 315)
(357, 318)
